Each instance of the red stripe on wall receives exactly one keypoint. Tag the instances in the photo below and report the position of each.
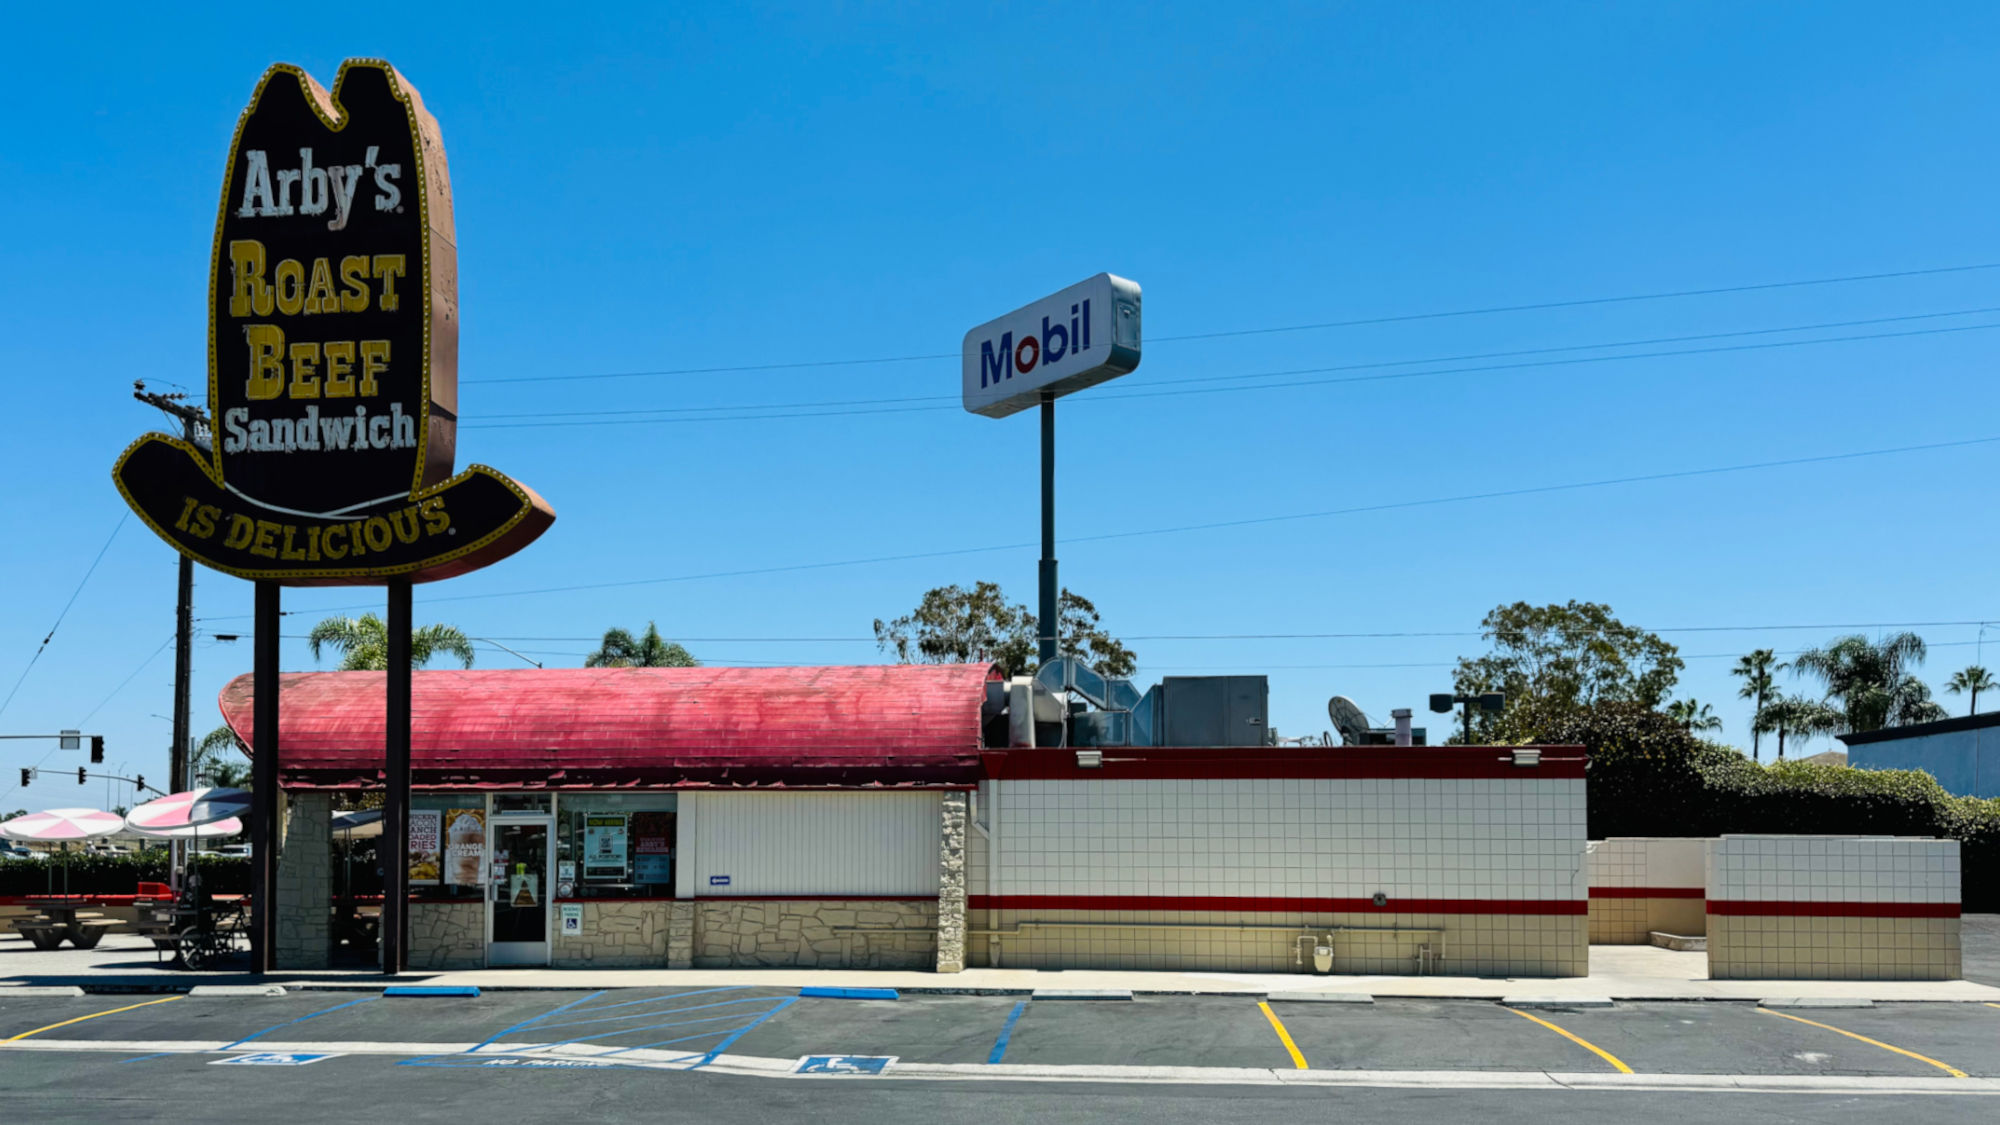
(1279, 905)
(1647, 892)
(1835, 909)
(1132, 763)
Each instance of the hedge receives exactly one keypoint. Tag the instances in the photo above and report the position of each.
(1650, 777)
(116, 874)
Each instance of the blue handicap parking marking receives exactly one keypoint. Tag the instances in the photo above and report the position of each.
(272, 1058)
(844, 1064)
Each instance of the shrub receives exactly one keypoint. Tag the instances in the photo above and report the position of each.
(1650, 777)
(80, 874)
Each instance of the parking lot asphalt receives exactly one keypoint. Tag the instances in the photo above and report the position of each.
(1680, 1038)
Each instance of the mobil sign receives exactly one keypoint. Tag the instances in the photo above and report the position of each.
(1064, 342)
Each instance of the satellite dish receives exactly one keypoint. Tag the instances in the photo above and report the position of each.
(1348, 719)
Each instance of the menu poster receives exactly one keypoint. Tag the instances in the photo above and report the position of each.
(426, 852)
(652, 847)
(464, 846)
(604, 841)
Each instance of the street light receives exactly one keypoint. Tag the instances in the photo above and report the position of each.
(1491, 702)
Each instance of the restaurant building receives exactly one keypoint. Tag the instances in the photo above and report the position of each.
(925, 817)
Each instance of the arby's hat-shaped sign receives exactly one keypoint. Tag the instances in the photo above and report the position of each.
(332, 356)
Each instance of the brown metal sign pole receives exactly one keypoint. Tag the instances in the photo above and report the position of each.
(264, 778)
(394, 847)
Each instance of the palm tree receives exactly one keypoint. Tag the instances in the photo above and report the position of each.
(1973, 679)
(1872, 681)
(619, 650)
(208, 766)
(1693, 715)
(363, 643)
(1758, 685)
(1801, 717)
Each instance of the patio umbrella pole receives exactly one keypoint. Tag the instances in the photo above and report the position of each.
(264, 778)
(393, 847)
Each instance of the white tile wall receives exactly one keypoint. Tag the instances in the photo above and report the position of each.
(1648, 861)
(1833, 869)
(1291, 838)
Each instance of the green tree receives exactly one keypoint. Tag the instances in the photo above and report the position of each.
(1757, 671)
(620, 650)
(953, 625)
(363, 643)
(1693, 716)
(1556, 658)
(1800, 718)
(217, 760)
(1973, 679)
(1872, 681)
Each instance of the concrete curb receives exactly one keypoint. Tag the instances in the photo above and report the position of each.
(201, 991)
(1081, 994)
(1318, 998)
(1815, 1002)
(1557, 1001)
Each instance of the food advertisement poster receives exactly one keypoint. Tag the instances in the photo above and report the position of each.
(464, 846)
(604, 841)
(426, 852)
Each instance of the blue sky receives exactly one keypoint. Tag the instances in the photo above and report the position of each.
(726, 186)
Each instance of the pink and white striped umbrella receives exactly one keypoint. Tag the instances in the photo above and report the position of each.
(214, 830)
(185, 810)
(63, 824)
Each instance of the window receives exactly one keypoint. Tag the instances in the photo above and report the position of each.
(447, 845)
(615, 845)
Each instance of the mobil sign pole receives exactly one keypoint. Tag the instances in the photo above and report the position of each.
(333, 395)
(1076, 338)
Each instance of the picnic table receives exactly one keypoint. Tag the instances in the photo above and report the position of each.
(63, 919)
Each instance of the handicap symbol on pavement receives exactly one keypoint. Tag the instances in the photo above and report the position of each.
(844, 1064)
(272, 1058)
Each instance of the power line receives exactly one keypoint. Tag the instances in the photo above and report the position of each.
(143, 665)
(1356, 323)
(1178, 387)
(1362, 509)
(39, 649)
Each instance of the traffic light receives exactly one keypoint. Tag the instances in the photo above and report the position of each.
(26, 773)
(138, 783)
(96, 749)
(82, 775)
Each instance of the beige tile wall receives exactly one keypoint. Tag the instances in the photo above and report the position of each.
(1469, 944)
(1757, 947)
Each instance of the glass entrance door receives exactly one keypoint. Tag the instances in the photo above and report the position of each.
(519, 888)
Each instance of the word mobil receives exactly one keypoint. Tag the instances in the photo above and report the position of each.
(1056, 341)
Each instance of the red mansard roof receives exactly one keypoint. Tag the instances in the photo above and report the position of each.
(872, 725)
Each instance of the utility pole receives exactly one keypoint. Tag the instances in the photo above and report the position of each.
(195, 430)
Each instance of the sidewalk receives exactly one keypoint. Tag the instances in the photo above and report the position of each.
(1618, 972)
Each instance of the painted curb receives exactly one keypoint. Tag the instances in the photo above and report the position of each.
(430, 990)
(850, 993)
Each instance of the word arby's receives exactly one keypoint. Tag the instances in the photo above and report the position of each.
(315, 189)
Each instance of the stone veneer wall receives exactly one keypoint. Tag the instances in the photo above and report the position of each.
(815, 933)
(951, 884)
(616, 935)
(304, 937)
(448, 935)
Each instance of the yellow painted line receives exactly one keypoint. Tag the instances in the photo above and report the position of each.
(1947, 1068)
(91, 1016)
(1990, 1005)
(1285, 1037)
(1586, 1044)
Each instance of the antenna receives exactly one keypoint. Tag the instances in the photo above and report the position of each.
(1348, 719)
